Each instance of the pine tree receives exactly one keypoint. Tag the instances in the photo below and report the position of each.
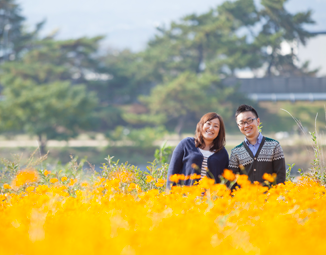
(14, 39)
(279, 25)
(43, 96)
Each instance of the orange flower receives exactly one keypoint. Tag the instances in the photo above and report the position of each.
(25, 177)
(268, 177)
(134, 186)
(123, 176)
(174, 178)
(194, 166)
(6, 186)
(206, 182)
(194, 176)
(182, 177)
(64, 178)
(243, 180)
(149, 178)
(46, 172)
(72, 182)
(54, 180)
(160, 183)
(229, 175)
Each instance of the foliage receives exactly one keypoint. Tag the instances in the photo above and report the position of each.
(191, 55)
(206, 42)
(40, 97)
(141, 137)
(14, 39)
(186, 97)
(278, 26)
(163, 153)
(172, 82)
(260, 127)
(318, 168)
(288, 172)
(145, 137)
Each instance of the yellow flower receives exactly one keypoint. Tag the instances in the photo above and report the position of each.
(229, 175)
(123, 176)
(72, 182)
(84, 184)
(46, 172)
(149, 178)
(6, 186)
(64, 178)
(25, 177)
(30, 189)
(2, 198)
(132, 186)
(160, 183)
(42, 189)
(54, 180)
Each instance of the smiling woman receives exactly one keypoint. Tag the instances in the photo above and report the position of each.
(203, 154)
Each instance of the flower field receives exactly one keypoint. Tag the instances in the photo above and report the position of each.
(42, 212)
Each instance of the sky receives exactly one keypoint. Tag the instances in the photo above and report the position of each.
(130, 23)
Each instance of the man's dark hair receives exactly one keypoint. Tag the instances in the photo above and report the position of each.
(245, 108)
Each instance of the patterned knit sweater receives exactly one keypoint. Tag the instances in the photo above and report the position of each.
(269, 159)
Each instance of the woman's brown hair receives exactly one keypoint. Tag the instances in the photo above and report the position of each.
(219, 141)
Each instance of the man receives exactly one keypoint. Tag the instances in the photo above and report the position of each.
(257, 154)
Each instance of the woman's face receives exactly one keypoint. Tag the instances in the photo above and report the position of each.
(211, 129)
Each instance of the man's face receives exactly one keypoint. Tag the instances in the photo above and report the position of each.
(248, 124)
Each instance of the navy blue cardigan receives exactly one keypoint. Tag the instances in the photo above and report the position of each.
(186, 154)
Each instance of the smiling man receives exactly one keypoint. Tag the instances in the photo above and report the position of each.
(257, 154)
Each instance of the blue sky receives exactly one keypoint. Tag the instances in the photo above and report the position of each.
(130, 23)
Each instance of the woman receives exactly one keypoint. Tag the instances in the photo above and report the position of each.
(204, 151)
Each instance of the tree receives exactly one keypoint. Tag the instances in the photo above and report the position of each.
(185, 98)
(234, 35)
(188, 58)
(13, 37)
(213, 41)
(279, 25)
(129, 76)
(40, 95)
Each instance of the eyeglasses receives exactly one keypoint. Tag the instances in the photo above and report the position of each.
(249, 121)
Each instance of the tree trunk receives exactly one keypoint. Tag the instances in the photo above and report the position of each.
(42, 144)
(200, 58)
(180, 125)
(270, 64)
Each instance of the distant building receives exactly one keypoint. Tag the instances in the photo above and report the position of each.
(281, 88)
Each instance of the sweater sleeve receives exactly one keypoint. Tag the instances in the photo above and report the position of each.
(234, 163)
(227, 160)
(279, 164)
(176, 163)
